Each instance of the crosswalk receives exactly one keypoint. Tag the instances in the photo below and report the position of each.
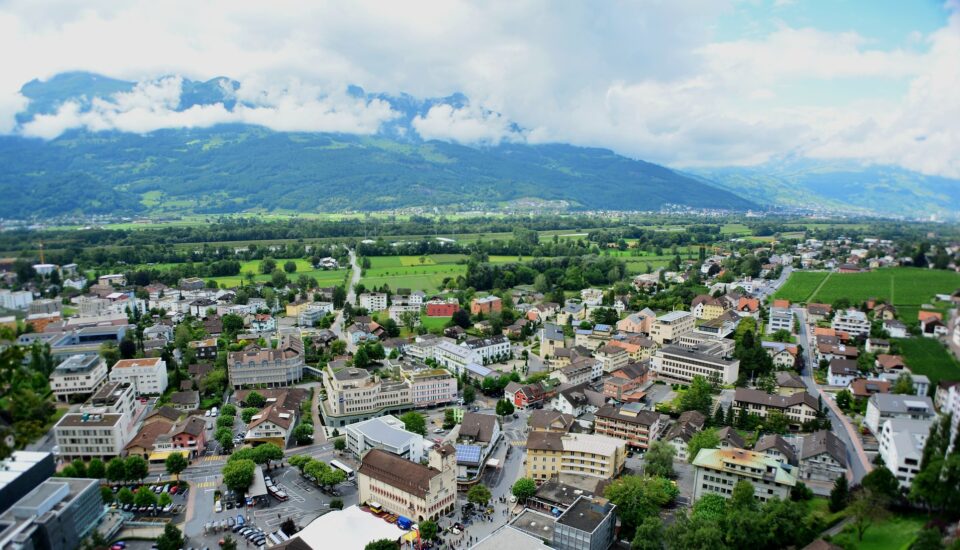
(211, 458)
(205, 484)
(519, 443)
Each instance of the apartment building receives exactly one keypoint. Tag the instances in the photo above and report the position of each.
(455, 357)
(624, 384)
(629, 422)
(551, 339)
(273, 368)
(205, 350)
(355, 394)
(781, 318)
(409, 489)
(612, 357)
(58, 514)
(78, 375)
(373, 301)
(884, 406)
(551, 453)
(799, 407)
(669, 327)
(485, 305)
(717, 471)
(430, 387)
(491, 349)
(682, 364)
(852, 321)
(148, 376)
(90, 435)
(387, 433)
(901, 446)
(442, 308)
(588, 524)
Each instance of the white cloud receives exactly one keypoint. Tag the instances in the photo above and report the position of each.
(649, 80)
(153, 105)
(468, 125)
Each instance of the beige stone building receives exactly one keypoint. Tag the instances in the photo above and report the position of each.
(406, 488)
(550, 454)
(355, 394)
(256, 366)
(670, 326)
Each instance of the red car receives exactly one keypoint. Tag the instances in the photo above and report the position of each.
(174, 489)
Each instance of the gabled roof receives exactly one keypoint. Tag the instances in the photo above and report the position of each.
(786, 379)
(776, 442)
(731, 436)
(397, 472)
(758, 397)
(821, 442)
(478, 427)
(543, 419)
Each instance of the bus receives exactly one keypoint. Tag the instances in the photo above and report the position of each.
(344, 468)
(375, 507)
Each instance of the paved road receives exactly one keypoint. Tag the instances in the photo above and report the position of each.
(856, 457)
(337, 326)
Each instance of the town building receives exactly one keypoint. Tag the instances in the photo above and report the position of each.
(784, 355)
(355, 394)
(477, 437)
(186, 401)
(266, 366)
(21, 472)
(205, 350)
(550, 454)
(717, 471)
(683, 364)
(588, 524)
(670, 326)
(455, 357)
(781, 318)
(842, 371)
(543, 420)
(884, 406)
(551, 339)
(78, 375)
(624, 384)
(852, 321)
(485, 305)
(385, 432)
(901, 446)
(430, 386)
(523, 396)
(680, 433)
(56, 515)
(442, 307)
(612, 357)
(629, 422)
(823, 457)
(148, 376)
(492, 349)
(373, 301)
(407, 488)
(799, 408)
(789, 383)
(637, 323)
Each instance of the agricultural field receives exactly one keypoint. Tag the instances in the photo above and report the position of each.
(324, 278)
(424, 273)
(905, 287)
(929, 357)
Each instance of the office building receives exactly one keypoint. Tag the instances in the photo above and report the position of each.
(588, 524)
(56, 515)
(147, 375)
(683, 364)
(671, 326)
(266, 366)
(78, 375)
(386, 433)
(717, 471)
(551, 453)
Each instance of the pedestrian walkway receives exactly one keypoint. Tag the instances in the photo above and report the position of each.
(519, 443)
(319, 430)
(211, 458)
(206, 484)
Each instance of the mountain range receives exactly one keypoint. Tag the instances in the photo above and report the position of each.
(234, 167)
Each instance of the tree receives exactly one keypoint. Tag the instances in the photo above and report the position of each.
(290, 266)
(339, 444)
(303, 433)
(504, 407)
(864, 511)
(267, 266)
(449, 419)
(125, 496)
(428, 530)
(145, 498)
(706, 439)
(96, 469)
(844, 399)
(904, 385)
(136, 468)
(106, 494)
(382, 544)
(248, 413)
(228, 410)
(461, 318)
(116, 470)
(414, 422)
(882, 484)
(164, 500)
(776, 422)
(639, 497)
(336, 504)
(255, 399)
(742, 497)
(225, 422)
(840, 494)
(800, 492)
(229, 543)
(175, 464)
(127, 348)
(469, 394)
(238, 474)
(649, 535)
(171, 539)
(262, 454)
(524, 488)
(698, 396)
(928, 539)
(391, 328)
(110, 353)
(659, 459)
(479, 494)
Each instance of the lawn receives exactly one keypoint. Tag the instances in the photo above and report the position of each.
(433, 322)
(410, 272)
(897, 533)
(800, 285)
(901, 286)
(929, 357)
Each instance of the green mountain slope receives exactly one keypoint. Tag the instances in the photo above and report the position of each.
(240, 168)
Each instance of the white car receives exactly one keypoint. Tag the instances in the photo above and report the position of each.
(438, 431)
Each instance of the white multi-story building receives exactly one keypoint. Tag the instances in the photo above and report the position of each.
(15, 299)
(78, 375)
(851, 321)
(430, 387)
(373, 301)
(147, 375)
(313, 313)
(883, 406)
(355, 394)
(385, 432)
(591, 297)
(670, 326)
(282, 366)
(781, 318)
(102, 427)
(901, 446)
(396, 311)
(490, 349)
(683, 364)
(454, 357)
(717, 471)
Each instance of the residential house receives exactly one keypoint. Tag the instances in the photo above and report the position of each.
(571, 400)
(842, 372)
(679, 434)
(477, 437)
(878, 345)
(624, 384)
(823, 457)
(852, 321)
(780, 318)
(707, 307)
(185, 401)
(818, 312)
(485, 305)
(637, 323)
(577, 372)
(523, 396)
(901, 443)
(612, 357)
(638, 348)
(730, 439)
(789, 383)
(895, 328)
(545, 420)
(865, 387)
(205, 350)
(551, 339)
(784, 355)
(777, 448)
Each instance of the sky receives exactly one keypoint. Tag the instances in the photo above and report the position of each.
(686, 83)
